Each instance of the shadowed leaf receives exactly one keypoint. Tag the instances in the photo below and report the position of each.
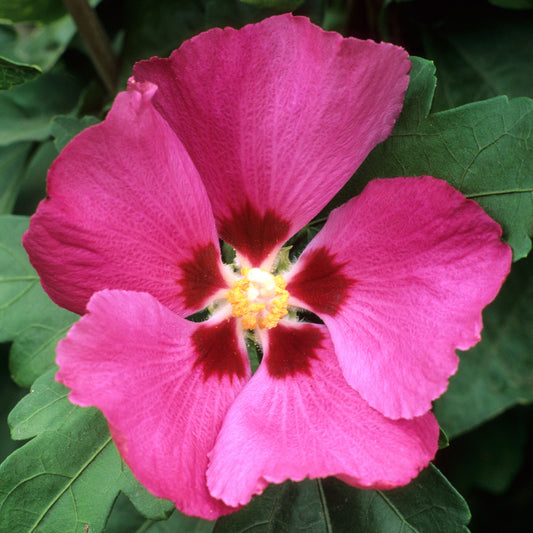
(429, 504)
(12, 73)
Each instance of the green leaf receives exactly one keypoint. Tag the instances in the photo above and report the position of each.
(148, 505)
(429, 504)
(13, 161)
(9, 395)
(34, 348)
(33, 183)
(479, 54)
(23, 180)
(19, 283)
(280, 5)
(65, 128)
(31, 10)
(30, 186)
(27, 315)
(498, 372)
(285, 508)
(27, 110)
(65, 479)
(12, 73)
(68, 477)
(181, 522)
(483, 149)
(124, 517)
(23, 303)
(39, 45)
(45, 408)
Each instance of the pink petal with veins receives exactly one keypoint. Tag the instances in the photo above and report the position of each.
(126, 210)
(311, 423)
(276, 116)
(163, 383)
(400, 276)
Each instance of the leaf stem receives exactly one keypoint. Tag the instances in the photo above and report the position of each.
(95, 39)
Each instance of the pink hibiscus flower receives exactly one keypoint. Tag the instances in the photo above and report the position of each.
(246, 135)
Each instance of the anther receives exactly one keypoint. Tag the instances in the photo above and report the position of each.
(258, 298)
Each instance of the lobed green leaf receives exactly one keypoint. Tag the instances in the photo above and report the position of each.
(484, 149)
(27, 315)
(65, 479)
(9, 395)
(30, 318)
(68, 477)
(20, 292)
(285, 508)
(429, 504)
(45, 408)
(34, 348)
(148, 505)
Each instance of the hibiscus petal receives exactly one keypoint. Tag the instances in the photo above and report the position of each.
(311, 423)
(126, 210)
(276, 117)
(400, 275)
(163, 383)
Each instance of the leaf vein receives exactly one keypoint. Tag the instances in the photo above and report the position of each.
(70, 483)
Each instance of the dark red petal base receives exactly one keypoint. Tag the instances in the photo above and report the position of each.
(291, 349)
(321, 283)
(218, 350)
(201, 277)
(253, 234)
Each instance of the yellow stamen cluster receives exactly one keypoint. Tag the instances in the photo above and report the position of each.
(258, 298)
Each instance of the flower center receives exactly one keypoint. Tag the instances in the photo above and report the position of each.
(258, 298)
